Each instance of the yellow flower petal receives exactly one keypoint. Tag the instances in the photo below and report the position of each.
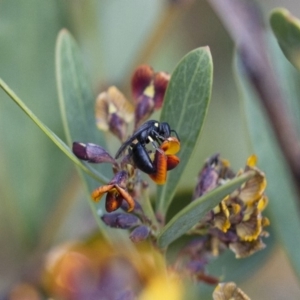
(149, 91)
(250, 230)
(235, 208)
(161, 288)
(265, 222)
(222, 223)
(229, 291)
(101, 112)
(221, 220)
(123, 107)
(253, 188)
(262, 203)
(245, 249)
(252, 160)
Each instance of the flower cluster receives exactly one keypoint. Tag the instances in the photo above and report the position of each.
(120, 187)
(236, 223)
(148, 90)
(96, 270)
(227, 291)
(114, 113)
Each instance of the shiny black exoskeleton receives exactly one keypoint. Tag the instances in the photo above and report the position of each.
(151, 131)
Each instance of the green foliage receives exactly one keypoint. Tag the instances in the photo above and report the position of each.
(51, 135)
(185, 107)
(35, 172)
(30, 184)
(283, 206)
(286, 28)
(76, 99)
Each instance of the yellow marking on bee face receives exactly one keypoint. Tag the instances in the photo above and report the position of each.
(156, 124)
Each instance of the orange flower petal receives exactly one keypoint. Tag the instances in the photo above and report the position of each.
(113, 201)
(100, 191)
(160, 176)
(172, 162)
(127, 197)
(170, 146)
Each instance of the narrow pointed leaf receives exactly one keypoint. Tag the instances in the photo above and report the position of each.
(283, 206)
(77, 103)
(55, 139)
(196, 210)
(286, 28)
(76, 99)
(185, 107)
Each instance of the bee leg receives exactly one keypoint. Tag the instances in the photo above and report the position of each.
(141, 158)
(155, 145)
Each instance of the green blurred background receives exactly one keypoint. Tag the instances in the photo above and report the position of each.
(42, 202)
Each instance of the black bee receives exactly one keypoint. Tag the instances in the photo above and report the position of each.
(151, 131)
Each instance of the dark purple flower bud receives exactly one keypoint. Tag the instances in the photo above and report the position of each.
(225, 237)
(126, 221)
(137, 206)
(110, 219)
(207, 181)
(236, 218)
(118, 126)
(120, 220)
(194, 247)
(140, 234)
(143, 110)
(120, 179)
(126, 295)
(92, 153)
(196, 266)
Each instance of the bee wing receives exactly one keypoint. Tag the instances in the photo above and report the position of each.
(127, 143)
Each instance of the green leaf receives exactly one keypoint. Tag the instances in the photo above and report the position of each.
(77, 103)
(288, 78)
(287, 31)
(196, 210)
(55, 139)
(185, 107)
(76, 99)
(31, 185)
(283, 206)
